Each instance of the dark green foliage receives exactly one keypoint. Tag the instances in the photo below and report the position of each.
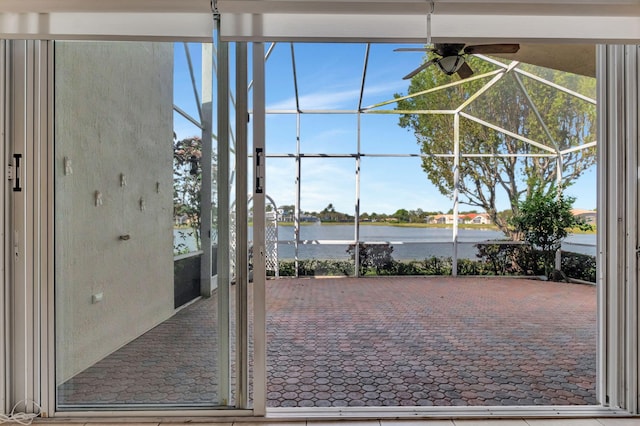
(430, 266)
(408, 268)
(372, 256)
(500, 257)
(579, 266)
(473, 267)
(529, 261)
(315, 267)
(497, 259)
(544, 219)
(438, 266)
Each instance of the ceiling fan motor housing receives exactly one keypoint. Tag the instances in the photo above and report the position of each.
(450, 64)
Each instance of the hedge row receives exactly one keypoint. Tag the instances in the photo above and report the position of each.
(493, 259)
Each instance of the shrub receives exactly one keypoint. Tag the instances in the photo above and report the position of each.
(315, 267)
(473, 267)
(500, 256)
(438, 266)
(373, 257)
(495, 259)
(579, 266)
(412, 267)
(544, 219)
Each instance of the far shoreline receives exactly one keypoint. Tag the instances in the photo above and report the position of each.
(482, 227)
(398, 225)
(402, 225)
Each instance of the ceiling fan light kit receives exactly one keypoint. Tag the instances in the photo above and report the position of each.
(450, 64)
(451, 56)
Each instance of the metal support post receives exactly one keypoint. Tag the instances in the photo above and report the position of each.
(206, 162)
(558, 259)
(259, 245)
(296, 218)
(456, 191)
(242, 260)
(223, 277)
(296, 215)
(357, 206)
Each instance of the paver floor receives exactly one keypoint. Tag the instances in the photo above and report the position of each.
(374, 342)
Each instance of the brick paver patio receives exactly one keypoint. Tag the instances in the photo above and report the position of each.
(372, 342)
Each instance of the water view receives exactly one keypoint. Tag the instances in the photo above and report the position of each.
(332, 241)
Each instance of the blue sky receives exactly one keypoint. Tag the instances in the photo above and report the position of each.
(329, 78)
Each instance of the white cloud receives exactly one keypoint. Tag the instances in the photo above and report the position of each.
(335, 98)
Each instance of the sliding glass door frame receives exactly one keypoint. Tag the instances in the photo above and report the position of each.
(28, 300)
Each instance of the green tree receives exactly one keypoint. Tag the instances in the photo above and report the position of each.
(187, 181)
(544, 219)
(483, 180)
(402, 215)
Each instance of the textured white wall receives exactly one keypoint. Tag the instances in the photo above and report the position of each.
(113, 117)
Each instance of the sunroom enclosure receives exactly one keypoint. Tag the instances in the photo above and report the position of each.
(305, 137)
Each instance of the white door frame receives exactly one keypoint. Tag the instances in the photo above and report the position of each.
(28, 209)
(4, 347)
(30, 302)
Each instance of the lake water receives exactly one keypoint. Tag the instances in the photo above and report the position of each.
(408, 243)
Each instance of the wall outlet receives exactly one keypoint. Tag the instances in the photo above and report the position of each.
(96, 298)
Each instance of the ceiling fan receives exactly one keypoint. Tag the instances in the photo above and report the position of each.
(451, 57)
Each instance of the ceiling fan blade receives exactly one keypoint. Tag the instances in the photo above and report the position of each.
(492, 48)
(420, 68)
(465, 71)
(412, 49)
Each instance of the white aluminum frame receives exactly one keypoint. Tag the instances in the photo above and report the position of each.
(241, 223)
(259, 244)
(204, 123)
(29, 267)
(223, 278)
(619, 94)
(495, 76)
(618, 365)
(4, 307)
(206, 115)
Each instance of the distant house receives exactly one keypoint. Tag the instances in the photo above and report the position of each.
(477, 218)
(309, 218)
(589, 216)
(285, 215)
(470, 218)
(441, 219)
